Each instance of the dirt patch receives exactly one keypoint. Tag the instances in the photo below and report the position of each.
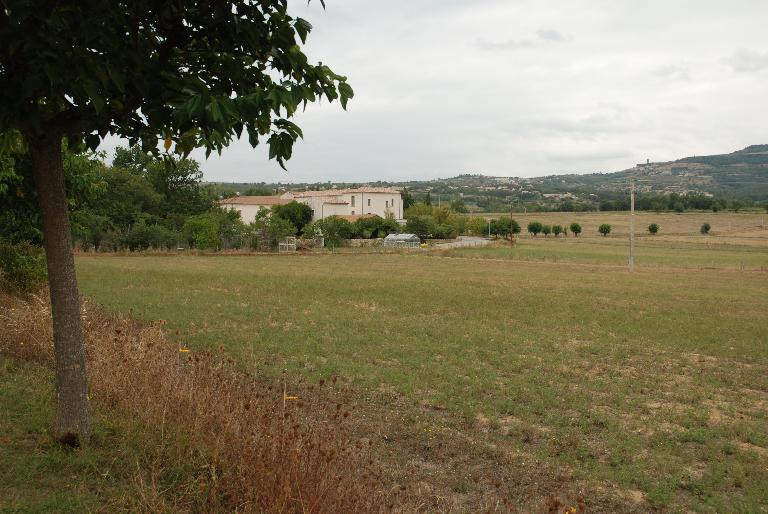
(749, 447)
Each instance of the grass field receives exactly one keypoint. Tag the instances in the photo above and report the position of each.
(645, 390)
(737, 241)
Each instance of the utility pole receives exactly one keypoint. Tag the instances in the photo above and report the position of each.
(511, 235)
(632, 226)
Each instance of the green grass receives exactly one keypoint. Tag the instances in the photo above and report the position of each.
(126, 467)
(38, 475)
(614, 251)
(655, 381)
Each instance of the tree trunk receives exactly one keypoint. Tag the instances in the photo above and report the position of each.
(73, 425)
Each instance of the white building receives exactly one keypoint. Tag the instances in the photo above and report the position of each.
(249, 206)
(347, 203)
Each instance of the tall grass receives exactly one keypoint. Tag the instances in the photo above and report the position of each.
(221, 439)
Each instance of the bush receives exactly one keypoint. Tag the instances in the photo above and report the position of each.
(535, 227)
(298, 214)
(423, 226)
(372, 227)
(22, 267)
(557, 230)
(143, 236)
(477, 226)
(335, 230)
(546, 230)
(576, 229)
(705, 228)
(604, 229)
(504, 227)
(444, 232)
(653, 228)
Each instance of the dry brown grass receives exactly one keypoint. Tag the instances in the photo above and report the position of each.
(236, 442)
(245, 446)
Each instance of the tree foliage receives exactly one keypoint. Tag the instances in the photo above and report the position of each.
(535, 228)
(298, 214)
(604, 229)
(194, 74)
(575, 229)
(653, 229)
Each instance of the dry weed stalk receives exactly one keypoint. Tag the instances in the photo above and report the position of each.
(247, 448)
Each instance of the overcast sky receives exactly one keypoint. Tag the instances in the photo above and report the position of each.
(523, 88)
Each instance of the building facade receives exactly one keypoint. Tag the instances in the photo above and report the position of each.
(348, 203)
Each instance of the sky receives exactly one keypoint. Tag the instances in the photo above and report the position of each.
(521, 88)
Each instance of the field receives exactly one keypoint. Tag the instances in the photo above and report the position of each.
(541, 369)
(736, 241)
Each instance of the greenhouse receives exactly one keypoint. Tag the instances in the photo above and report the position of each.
(402, 240)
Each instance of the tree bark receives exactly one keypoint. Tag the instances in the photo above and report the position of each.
(72, 425)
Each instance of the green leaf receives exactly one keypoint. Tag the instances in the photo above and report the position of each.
(303, 28)
(93, 93)
(117, 77)
(345, 93)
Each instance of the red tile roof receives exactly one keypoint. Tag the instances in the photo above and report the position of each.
(254, 200)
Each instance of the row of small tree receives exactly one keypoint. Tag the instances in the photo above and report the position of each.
(536, 227)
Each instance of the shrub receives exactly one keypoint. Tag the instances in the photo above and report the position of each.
(576, 229)
(705, 228)
(371, 227)
(557, 230)
(604, 229)
(546, 230)
(535, 227)
(504, 227)
(298, 214)
(653, 228)
(22, 267)
(335, 230)
(477, 226)
(445, 232)
(423, 226)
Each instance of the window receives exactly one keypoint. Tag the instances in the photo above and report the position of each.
(353, 212)
(369, 202)
(353, 202)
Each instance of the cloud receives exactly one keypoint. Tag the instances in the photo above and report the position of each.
(672, 72)
(748, 61)
(518, 44)
(550, 35)
(502, 87)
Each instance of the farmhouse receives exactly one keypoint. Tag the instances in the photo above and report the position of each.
(249, 206)
(348, 203)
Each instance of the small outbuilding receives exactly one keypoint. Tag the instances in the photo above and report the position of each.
(402, 240)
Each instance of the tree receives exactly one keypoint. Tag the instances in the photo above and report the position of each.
(504, 227)
(407, 198)
(459, 206)
(653, 228)
(736, 205)
(535, 227)
(576, 229)
(477, 226)
(418, 209)
(546, 230)
(299, 214)
(258, 191)
(423, 226)
(192, 74)
(557, 230)
(428, 199)
(335, 230)
(705, 228)
(604, 229)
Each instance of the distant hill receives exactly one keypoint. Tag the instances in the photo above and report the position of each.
(741, 175)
